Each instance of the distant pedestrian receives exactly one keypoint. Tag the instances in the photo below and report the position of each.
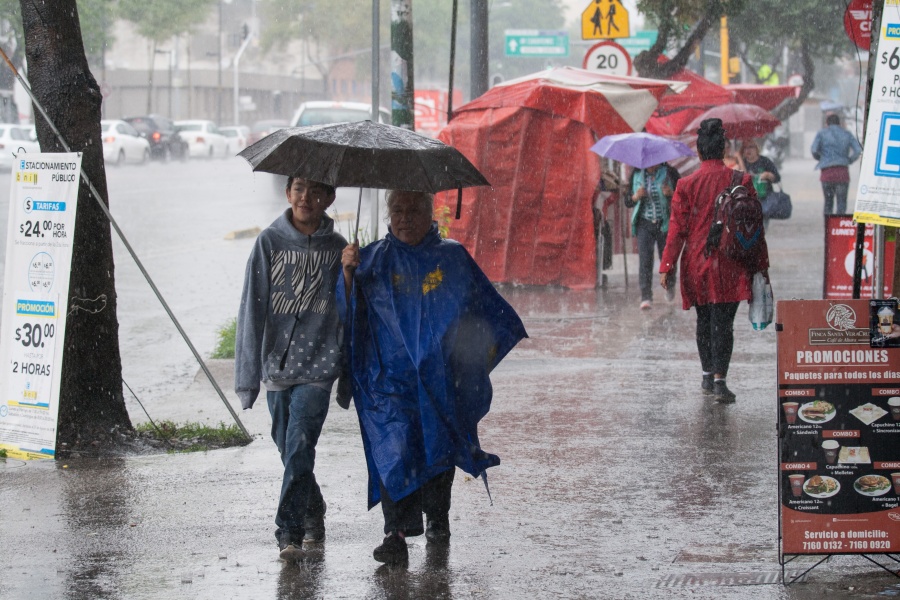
(714, 285)
(287, 337)
(763, 170)
(649, 193)
(835, 148)
(426, 328)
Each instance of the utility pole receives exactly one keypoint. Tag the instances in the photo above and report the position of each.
(219, 59)
(402, 81)
(480, 55)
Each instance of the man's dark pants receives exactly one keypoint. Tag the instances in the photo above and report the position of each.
(835, 191)
(649, 237)
(298, 414)
(405, 514)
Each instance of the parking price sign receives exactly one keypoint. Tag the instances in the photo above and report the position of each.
(40, 235)
(878, 195)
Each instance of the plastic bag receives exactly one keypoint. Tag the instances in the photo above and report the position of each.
(762, 303)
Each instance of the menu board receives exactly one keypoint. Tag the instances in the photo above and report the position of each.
(839, 431)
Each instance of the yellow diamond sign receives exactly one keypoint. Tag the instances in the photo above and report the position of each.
(605, 19)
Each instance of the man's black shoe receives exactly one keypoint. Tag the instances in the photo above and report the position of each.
(392, 550)
(437, 531)
(706, 385)
(722, 393)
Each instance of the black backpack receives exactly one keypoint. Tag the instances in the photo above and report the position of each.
(737, 226)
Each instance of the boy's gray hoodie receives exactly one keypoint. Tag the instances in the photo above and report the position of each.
(287, 328)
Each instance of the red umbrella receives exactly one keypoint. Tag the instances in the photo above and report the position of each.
(741, 121)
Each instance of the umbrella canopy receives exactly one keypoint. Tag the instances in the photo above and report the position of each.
(765, 96)
(741, 121)
(607, 104)
(363, 154)
(675, 111)
(640, 150)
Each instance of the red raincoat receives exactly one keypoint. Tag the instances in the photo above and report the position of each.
(716, 279)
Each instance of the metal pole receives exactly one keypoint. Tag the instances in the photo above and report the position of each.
(480, 55)
(878, 269)
(452, 60)
(402, 96)
(219, 59)
(376, 112)
(237, 62)
(128, 247)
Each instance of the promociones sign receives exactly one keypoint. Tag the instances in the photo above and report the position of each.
(40, 234)
(839, 431)
(840, 259)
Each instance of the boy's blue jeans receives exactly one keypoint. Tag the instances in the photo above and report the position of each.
(298, 414)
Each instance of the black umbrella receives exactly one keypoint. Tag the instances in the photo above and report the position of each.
(364, 154)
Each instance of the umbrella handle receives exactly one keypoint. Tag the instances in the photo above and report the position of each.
(458, 202)
(358, 209)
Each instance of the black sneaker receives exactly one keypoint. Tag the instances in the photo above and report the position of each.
(392, 550)
(437, 531)
(722, 393)
(706, 385)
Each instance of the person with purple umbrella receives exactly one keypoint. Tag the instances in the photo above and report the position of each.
(649, 193)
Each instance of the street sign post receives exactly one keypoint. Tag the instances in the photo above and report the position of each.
(604, 20)
(609, 58)
(536, 43)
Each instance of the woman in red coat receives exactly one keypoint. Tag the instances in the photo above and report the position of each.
(715, 285)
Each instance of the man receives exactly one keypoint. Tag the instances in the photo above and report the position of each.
(287, 337)
(425, 329)
(715, 285)
(835, 148)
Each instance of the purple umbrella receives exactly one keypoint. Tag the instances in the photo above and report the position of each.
(640, 150)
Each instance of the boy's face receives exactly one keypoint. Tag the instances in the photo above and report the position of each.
(309, 200)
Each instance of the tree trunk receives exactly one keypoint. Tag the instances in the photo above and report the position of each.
(91, 406)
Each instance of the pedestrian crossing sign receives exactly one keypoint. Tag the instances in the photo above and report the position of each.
(605, 19)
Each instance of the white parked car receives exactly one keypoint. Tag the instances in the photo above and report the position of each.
(203, 138)
(237, 137)
(321, 112)
(13, 140)
(123, 144)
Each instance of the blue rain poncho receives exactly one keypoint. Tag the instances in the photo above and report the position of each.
(423, 331)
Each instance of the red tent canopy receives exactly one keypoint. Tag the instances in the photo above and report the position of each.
(675, 111)
(531, 138)
(764, 96)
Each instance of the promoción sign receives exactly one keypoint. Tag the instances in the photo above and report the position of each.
(839, 431)
(878, 195)
(42, 207)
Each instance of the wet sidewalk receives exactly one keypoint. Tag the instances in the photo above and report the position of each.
(618, 478)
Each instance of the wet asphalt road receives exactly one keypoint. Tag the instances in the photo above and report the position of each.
(618, 479)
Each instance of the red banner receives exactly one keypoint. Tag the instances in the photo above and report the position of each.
(839, 442)
(840, 239)
(858, 23)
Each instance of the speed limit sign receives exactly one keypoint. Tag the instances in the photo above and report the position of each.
(609, 58)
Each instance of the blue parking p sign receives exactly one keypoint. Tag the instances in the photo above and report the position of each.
(887, 162)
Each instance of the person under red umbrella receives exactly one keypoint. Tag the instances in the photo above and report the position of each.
(714, 285)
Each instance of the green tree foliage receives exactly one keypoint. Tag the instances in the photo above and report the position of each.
(813, 30)
(159, 20)
(681, 24)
